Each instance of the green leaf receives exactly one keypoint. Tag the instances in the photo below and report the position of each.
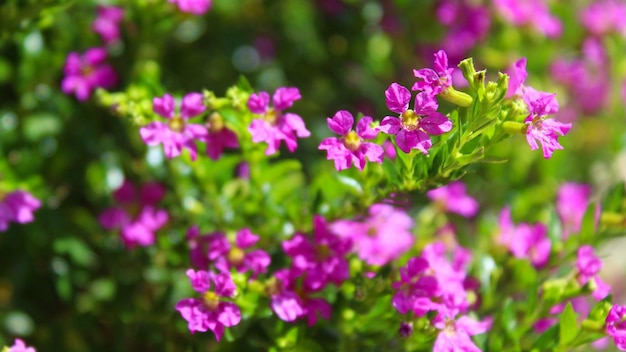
(547, 341)
(568, 326)
(244, 85)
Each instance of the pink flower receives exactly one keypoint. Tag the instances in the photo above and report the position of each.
(390, 150)
(525, 240)
(530, 12)
(84, 73)
(455, 335)
(382, 237)
(588, 266)
(198, 247)
(289, 305)
(413, 127)
(274, 125)
(466, 23)
(351, 148)
(108, 22)
(219, 137)
(544, 130)
(572, 200)
(20, 346)
(416, 288)
(17, 206)
(321, 259)
(604, 16)
(210, 312)
(616, 326)
(176, 134)
(453, 198)
(196, 7)
(136, 215)
(225, 255)
(434, 81)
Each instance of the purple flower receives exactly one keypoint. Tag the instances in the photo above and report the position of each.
(415, 288)
(20, 346)
(289, 305)
(453, 198)
(108, 22)
(198, 247)
(525, 240)
(413, 127)
(322, 259)
(84, 73)
(455, 335)
(219, 137)
(136, 215)
(210, 312)
(616, 326)
(517, 76)
(351, 148)
(380, 238)
(466, 24)
(572, 200)
(196, 7)
(390, 150)
(225, 255)
(176, 134)
(544, 130)
(604, 16)
(588, 266)
(433, 81)
(530, 12)
(17, 206)
(276, 126)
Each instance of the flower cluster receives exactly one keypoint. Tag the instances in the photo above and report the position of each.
(437, 284)
(136, 215)
(107, 24)
(525, 241)
(211, 312)
(17, 206)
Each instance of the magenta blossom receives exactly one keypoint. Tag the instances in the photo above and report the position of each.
(219, 137)
(350, 148)
(413, 127)
(20, 346)
(416, 288)
(530, 12)
(136, 214)
(455, 334)
(604, 16)
(321, 259)
(176, 134)
(466, 23)
(198, 247)
(210, 312)
(546, 131)
(588, 266)
(291, 302)
(107, 24)
(525, 240)
(237, 255)
(274, 125)
(572, 200)
(380, 238)
(195, 7)
(84, 73)
(433, 81)
(17, 206)
(616, 326)
(453, 198)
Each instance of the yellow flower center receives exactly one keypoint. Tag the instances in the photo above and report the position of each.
(271, 287)
(235, 256)
(271, 116)
(322, 252)
(352, 141)
(216, 123)
(211, 300)
(410, 120)
(86, 70)
(177, 124)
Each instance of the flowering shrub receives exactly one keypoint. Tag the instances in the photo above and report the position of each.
(360, 184)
